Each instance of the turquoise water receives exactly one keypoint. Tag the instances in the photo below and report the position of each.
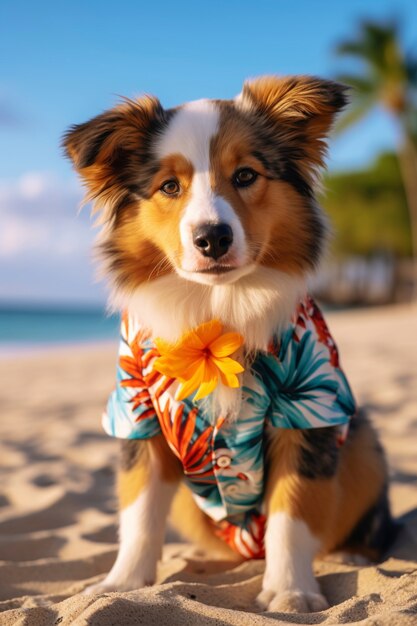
(37, 327)
(31, 327)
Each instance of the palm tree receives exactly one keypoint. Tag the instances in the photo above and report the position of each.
(387, 77)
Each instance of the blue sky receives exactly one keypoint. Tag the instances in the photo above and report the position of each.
(63, 62)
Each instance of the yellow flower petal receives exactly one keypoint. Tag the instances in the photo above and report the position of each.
(162, 345)
(210, 370)
(226, 344)
(199, 358)
(162, 367)
(228, 365)
(209, 331)
(170, 366)
(210, 379)
(230, 380)
(187, 387)
(191, 340)
(181, 352)
(188, 371)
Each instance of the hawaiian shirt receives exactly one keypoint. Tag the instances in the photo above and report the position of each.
(296, 383)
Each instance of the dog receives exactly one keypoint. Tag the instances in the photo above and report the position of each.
(210, 231)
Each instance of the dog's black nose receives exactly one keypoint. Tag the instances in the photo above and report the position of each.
(213, 240)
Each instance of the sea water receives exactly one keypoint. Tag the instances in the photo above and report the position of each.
(35, 326)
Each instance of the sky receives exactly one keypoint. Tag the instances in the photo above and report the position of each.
(64, 62)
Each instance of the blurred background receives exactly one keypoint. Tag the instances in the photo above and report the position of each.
(62, 63)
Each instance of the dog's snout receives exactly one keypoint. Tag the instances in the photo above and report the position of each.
(213, 240)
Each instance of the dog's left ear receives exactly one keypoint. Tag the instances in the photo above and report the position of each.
(299, 109)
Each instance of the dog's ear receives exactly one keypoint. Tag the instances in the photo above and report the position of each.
(109, 150)
(299, 109)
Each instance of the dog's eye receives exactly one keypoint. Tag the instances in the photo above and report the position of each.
(170, 187)
(244, 177)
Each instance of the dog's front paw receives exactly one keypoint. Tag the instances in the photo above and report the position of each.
(109, 585)
(99, 588)
(291, 601)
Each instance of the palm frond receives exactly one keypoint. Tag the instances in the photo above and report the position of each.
(354, 114)
(359, 85)
(375, 44)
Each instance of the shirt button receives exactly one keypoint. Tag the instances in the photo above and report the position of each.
(224, 461)
(231, 489)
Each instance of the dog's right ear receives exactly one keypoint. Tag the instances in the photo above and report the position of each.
(107, 150)
(82, 142)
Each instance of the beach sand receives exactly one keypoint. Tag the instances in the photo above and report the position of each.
(58, 509)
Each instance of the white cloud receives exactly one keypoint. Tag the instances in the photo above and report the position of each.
(40, 193)
(32, 185)
(45, 242)
(17, 235)
(39, 215)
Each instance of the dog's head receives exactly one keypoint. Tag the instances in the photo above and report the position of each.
(212, 189)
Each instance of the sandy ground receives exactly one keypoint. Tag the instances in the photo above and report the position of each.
(57, 505)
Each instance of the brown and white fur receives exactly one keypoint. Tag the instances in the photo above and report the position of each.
(208, 211)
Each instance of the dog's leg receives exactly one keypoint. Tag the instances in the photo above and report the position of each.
(300, 501)
(147, 482)
(319, 498)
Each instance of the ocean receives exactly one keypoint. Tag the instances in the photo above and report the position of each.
(30, 327)
(25, 328)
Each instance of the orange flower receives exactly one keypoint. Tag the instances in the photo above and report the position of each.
(199, 359)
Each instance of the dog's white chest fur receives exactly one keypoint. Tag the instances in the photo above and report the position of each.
(257, 306)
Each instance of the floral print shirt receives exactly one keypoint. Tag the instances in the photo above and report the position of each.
(297, 383)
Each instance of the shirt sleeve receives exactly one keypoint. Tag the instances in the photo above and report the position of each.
(307, 386)
(130, 411)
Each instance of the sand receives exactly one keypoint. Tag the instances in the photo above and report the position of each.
(58, 510)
